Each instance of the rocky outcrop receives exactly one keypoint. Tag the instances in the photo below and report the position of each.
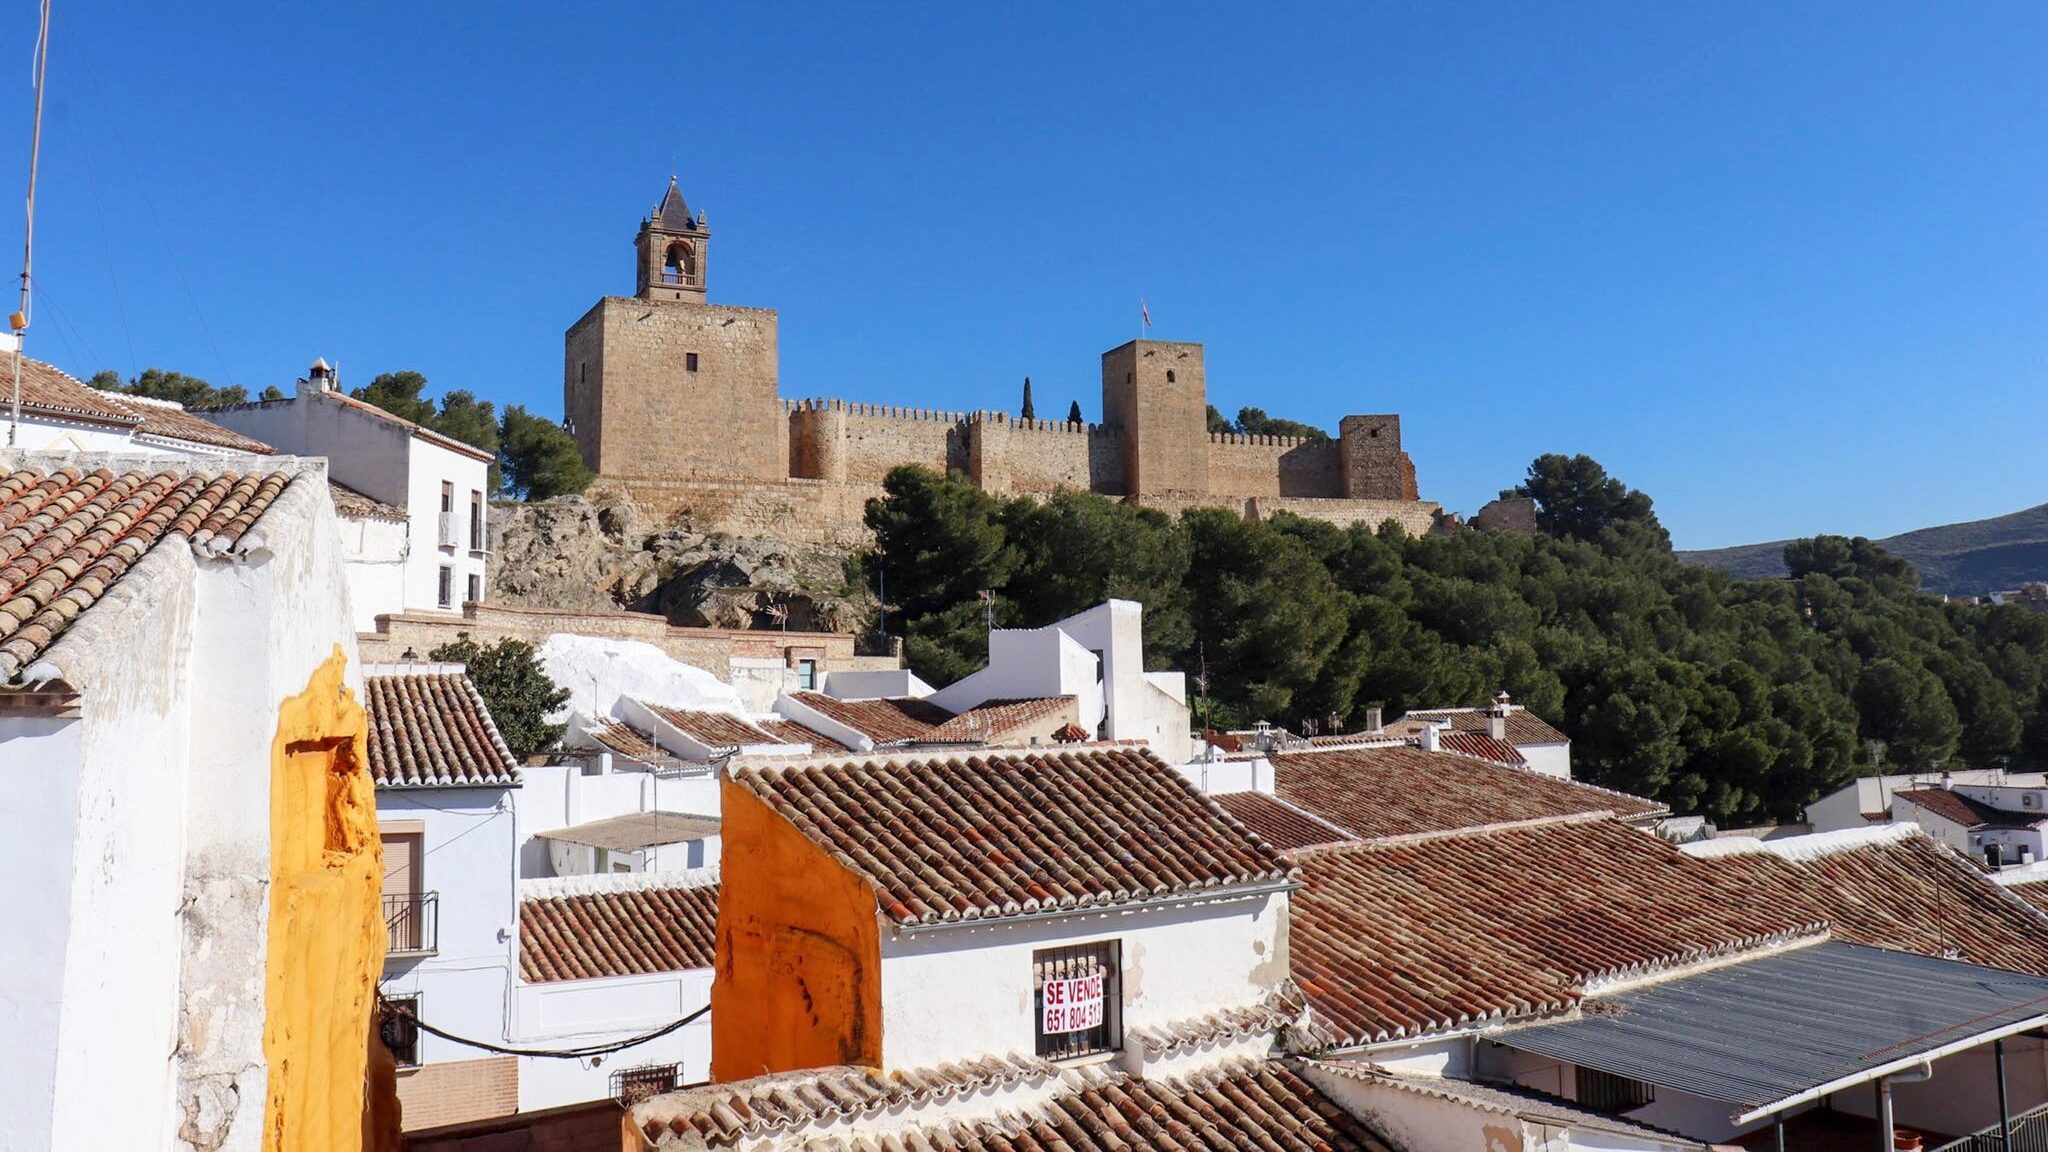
(575, 553)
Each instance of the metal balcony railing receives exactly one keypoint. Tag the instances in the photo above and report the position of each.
(412, 924)
(2029, 1134)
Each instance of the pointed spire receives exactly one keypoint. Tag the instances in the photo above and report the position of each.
(673, 213)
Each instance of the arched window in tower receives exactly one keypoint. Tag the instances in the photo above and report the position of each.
(680, 265)
(1169, 375)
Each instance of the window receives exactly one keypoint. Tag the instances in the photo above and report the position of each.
(447, 496)
(583, 371)
(1077, 999)
(1169, 375)
(400, 1029)
(632, 1085)
(446, 597)
(1606, 1092)
(476, 520)
(807, 675)
(476, 588)
(689, 361)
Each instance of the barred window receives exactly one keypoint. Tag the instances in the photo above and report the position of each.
(1077, 999)
(400, 1029)
(632, 1085)
(1606, 1092)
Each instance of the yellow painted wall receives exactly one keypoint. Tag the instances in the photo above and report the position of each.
(799, 976)
(326, 932)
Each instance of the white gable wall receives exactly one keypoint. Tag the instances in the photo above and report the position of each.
(963, 993)
(40, 762)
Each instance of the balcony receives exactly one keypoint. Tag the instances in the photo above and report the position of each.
(412, 924)
(2029, 1134)
(449, 525)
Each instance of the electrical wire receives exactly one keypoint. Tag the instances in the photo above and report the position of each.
(554, 1053)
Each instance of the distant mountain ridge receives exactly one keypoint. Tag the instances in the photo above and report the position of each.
(1967, 559)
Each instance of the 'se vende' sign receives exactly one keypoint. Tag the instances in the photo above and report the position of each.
(1072, 1005)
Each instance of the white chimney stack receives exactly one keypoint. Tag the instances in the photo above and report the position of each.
(1373, 722)
(1430, 736)
(1497, 726)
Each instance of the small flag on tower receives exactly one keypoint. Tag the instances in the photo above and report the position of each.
(1144, 313)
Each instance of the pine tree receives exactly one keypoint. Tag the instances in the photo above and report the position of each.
(1074, 413)
(1029, 412)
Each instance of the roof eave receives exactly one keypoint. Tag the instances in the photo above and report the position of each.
(1192, 896)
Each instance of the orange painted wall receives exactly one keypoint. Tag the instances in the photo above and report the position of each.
(799, 976)
(326, 932)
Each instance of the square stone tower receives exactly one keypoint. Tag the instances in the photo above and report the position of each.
(1155, 396)
(667, 386)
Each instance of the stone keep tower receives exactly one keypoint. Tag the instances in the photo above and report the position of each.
(665, 386)
(1154, 395)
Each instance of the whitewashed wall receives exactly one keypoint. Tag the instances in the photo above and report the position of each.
(573, 1013)
(557, 796)
(428, 464)
(375, 552)
(40, 764)
(967, 992)
(468, 859)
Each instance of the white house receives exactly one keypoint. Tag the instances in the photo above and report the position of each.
(1868, 799)
(1543, 747)
(1097, 657)
(60, 413)
(190, 882)
(445, 815)
(919, 991)
(440, 483)
(608, 958)
(1997, 824)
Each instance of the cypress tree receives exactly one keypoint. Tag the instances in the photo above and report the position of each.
(1029, 412)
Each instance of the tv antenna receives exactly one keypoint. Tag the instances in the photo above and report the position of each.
(18, 323)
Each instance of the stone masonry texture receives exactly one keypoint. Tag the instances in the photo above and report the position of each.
(674, 401)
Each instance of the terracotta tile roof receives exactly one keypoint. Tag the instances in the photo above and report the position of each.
(49, 390)
(1524, 726)
(1966, 810)
(1893, 887)
(1281, 824)
(977, 836)
(431, 729)
(885, 721)
(1275, 1012)
(2035, 894)
(68, 535)
(354, 505)
(168, 420)
(996, 719)
(1397, 790)
(718, 729)
(1425, 933)
(586, 928)
(740, 1112)
(1251, 1104)
(625, 740)
(1484, 747)
(791, 732)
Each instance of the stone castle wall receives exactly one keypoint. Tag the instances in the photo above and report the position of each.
(1275, 466)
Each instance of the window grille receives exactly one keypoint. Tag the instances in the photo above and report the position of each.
(400, 1029)
(446, 592)
(1066, 977)
(632, 1085)
(1606, 1092)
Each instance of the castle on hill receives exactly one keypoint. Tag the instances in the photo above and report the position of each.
(674, 399)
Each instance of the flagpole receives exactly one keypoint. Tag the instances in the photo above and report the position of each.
(18, 323)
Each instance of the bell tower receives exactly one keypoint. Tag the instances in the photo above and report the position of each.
(672, 245)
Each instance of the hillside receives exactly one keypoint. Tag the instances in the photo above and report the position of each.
(1966, 559)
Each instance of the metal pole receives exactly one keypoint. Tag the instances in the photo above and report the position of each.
(1884, 1113)
(1779, 1126)
(18, 323)
(2004, 1111)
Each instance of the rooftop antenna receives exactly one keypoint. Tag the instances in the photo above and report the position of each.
(18, 323)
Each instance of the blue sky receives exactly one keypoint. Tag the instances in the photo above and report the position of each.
(1784, 267)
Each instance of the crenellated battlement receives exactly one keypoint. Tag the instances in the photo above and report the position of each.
(1241, 440)
(679, 400)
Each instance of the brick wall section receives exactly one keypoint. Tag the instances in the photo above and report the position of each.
(712, 649)
(576, 1128)
(879, 438)
(1009, 456)
(459, 1091)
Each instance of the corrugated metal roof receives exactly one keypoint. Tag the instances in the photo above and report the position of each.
(1763, 1033)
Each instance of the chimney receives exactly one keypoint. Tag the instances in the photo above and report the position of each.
(1948, 782)
(1373, 722)
(1429, 737)
(319, 378)
(1497, 725)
